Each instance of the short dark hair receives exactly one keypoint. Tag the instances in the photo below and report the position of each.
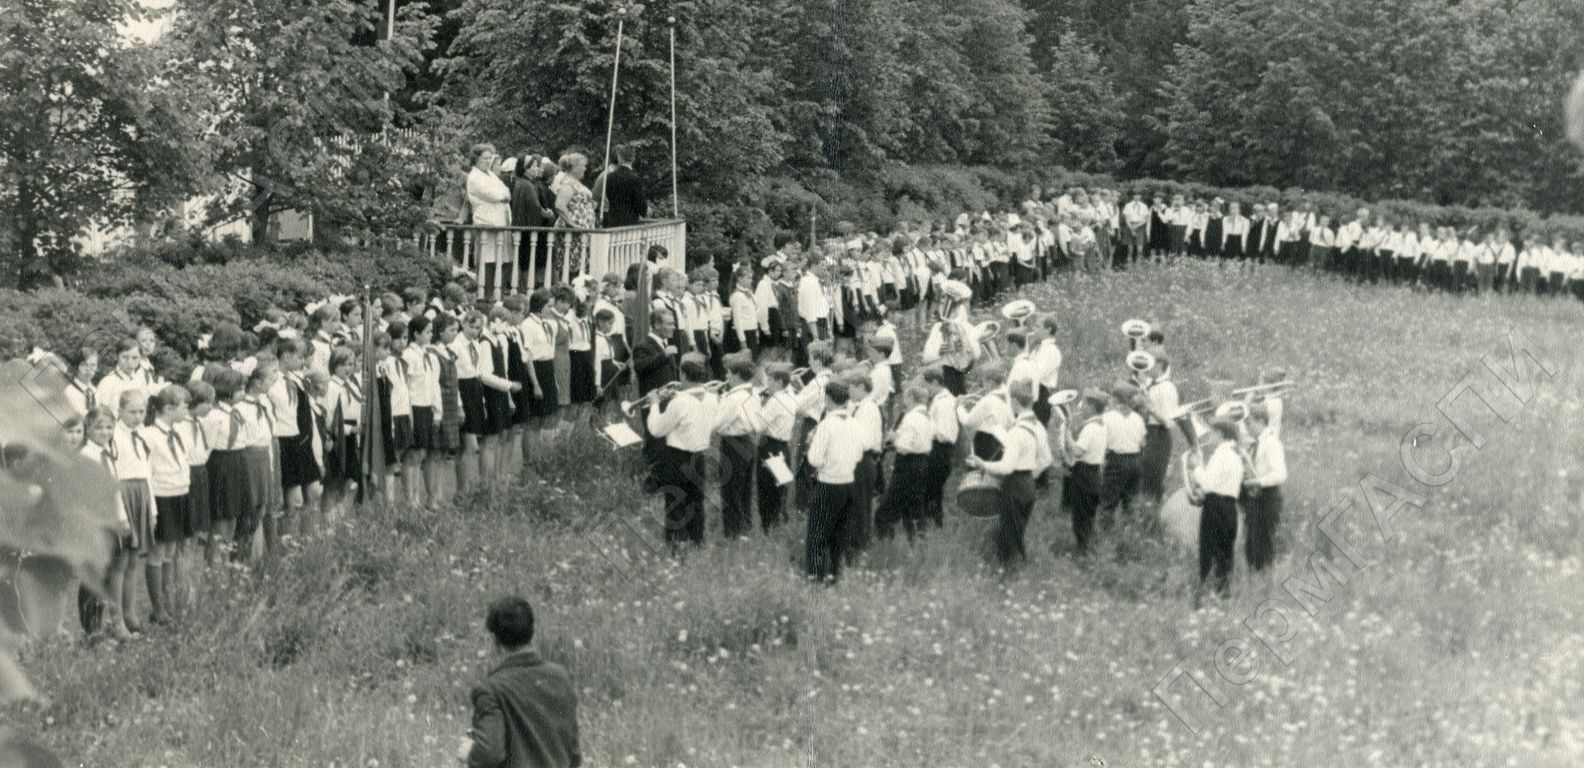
(511, 621)
(695, 367)
(837, 393)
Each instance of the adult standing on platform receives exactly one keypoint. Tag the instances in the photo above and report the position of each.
(529, 208)
(490, 201)
(625, 204)
(574, 205)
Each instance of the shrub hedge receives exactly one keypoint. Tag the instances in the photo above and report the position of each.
(183, 289)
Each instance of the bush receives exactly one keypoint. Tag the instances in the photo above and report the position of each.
(184, 288)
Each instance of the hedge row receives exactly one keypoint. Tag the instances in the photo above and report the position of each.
(184, 289)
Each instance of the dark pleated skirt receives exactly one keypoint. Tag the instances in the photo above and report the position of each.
(230, 492)
(174, 523)
(544, 405)
(582, 375)
(474, 420)
(297, 462)
(423, 428)
(198, 497)
(497, 410)
(138, 502)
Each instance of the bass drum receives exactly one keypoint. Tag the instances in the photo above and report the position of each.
(1180, 517)
(979, 495)
(989, 444)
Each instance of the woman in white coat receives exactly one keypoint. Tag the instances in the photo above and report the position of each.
(490, 201)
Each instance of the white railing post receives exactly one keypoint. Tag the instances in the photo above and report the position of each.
(467, 259)
(516, 248)
(599, 254)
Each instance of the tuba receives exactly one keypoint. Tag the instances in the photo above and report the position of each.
(1139, 364)
(1135, 330)
(986, 333)
(1019, 311)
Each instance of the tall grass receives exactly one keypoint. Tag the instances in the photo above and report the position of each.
(1456, 643)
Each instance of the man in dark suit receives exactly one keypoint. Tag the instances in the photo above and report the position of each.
(525, 711)
(624, 196)
(654, 356)
(654, 359)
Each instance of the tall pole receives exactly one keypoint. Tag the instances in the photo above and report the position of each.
(610, 120)
(390, 20)
(675, 200)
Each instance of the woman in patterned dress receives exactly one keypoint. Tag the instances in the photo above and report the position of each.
(574, 204)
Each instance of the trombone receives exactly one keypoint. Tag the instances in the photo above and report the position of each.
(1260, 392)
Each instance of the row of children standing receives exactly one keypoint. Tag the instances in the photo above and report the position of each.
(1368, 246)
(269, 424)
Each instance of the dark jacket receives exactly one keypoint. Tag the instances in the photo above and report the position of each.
(525, 716)
(527, 208)
(653, 365)
(624, 198)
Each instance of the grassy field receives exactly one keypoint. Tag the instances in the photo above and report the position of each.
(1444, 629)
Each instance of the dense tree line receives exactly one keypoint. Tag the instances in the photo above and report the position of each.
(830, 109)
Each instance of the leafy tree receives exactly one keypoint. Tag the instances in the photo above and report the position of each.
(299, 107)
(1454, 103)
(537, 77)
(1086, 111)
(89, 134)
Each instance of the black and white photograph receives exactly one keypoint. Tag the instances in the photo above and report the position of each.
(791, 383)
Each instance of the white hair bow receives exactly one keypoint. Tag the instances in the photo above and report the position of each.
(203, 341)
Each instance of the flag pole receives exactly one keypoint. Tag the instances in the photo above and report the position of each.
(675, 200)
(610, 120)
(370, 438)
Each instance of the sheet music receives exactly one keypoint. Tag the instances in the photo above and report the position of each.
(621, 435)
(778, 467)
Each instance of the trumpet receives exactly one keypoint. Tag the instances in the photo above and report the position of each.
(666, 392)
(630, 408)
